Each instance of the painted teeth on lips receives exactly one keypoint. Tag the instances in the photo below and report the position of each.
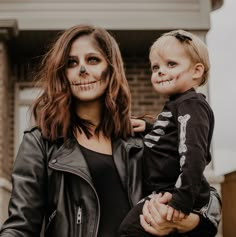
(161, 81)
(83, 83)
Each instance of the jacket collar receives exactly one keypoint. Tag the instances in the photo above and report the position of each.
(119, 157)
(69, 158)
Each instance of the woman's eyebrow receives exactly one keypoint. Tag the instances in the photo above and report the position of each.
(94, 54)
(72, 57)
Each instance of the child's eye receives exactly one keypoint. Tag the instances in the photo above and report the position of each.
(172, 64)
(155, 68)
(72, 63)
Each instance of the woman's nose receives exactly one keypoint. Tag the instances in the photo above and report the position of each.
(82, 70)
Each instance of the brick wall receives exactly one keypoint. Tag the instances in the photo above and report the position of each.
(6, 130)
(144, 99)
(6, 114)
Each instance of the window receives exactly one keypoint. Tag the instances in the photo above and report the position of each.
(25, 94)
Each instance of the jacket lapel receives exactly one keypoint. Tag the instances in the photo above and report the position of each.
(119, 157)
(69, 158)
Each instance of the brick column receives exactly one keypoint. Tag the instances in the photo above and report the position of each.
(8, 29)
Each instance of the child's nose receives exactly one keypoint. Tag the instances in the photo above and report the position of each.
(160, 72)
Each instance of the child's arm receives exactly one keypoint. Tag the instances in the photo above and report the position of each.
(174, 215)
(140, 125)
(195, 121)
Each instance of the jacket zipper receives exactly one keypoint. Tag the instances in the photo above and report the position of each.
(55, 167)
(79, 222)
(51, 217)
(79, 216)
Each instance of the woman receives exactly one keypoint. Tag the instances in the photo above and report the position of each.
(78, 171)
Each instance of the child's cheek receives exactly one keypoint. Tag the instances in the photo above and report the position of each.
(154, 78)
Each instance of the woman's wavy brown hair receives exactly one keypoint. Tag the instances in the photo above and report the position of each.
(54, 111)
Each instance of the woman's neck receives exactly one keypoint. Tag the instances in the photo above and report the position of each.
(98, 143)
(90, 111)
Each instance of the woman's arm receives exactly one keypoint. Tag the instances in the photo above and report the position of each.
(154, 219)
(201, 224)
(27, 202)
(210, 217)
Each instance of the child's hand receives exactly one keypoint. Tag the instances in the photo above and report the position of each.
(174, 215)
(139, 125)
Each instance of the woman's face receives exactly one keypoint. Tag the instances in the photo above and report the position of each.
(87, 70)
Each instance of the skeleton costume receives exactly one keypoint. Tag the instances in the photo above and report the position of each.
(177, 150)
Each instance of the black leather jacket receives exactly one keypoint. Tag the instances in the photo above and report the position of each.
(53, 190)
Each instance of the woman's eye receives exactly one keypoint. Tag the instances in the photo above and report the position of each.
(72, 63)
(93, 60)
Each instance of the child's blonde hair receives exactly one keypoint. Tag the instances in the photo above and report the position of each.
(194, 46)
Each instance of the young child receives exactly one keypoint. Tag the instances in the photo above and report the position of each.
(177, 149)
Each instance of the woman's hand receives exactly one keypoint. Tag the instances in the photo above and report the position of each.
(154, 218)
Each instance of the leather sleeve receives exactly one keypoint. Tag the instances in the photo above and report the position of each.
(210, 217)
(213, 211)
(27, 201)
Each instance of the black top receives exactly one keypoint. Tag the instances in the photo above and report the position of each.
(112, 196)
(178, 149)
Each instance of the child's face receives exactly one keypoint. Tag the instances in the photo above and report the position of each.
(87, 70)
(172, 68)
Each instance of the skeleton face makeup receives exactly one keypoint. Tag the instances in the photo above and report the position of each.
(82, 69)
(87, 70)
(172, 68)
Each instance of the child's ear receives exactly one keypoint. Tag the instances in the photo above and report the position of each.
(198, 71)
